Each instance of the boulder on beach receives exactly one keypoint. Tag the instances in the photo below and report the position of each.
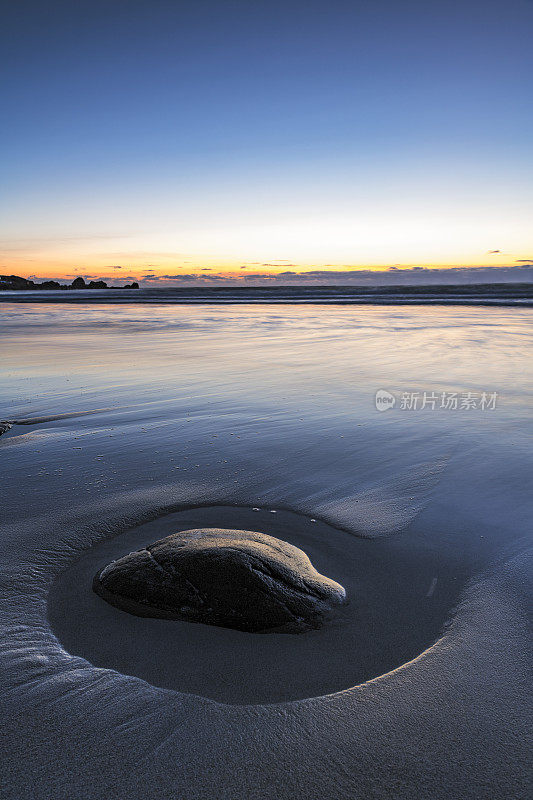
(231, 578)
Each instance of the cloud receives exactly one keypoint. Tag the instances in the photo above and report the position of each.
(278, 264)
(492, 252)
(411, 275)
(392, 275)
(192, 278)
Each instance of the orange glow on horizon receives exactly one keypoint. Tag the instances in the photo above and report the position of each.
(65, 270)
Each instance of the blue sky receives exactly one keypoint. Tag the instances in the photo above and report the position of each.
(167, 137)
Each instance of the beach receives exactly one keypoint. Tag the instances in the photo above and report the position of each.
(133, 420)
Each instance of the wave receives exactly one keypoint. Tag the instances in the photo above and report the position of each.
(516, 294)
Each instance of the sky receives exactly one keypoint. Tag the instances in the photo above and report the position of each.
(176, 142)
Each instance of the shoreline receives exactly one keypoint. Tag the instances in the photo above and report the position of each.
(483, 294)
(354, 302)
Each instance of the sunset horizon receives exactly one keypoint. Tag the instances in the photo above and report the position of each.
(155, 139)
(288, 275)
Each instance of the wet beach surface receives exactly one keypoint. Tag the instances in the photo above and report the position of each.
(131, 422)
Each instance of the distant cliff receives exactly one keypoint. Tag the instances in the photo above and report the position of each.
(16, 283)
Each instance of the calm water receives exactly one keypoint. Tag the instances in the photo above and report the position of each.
(56, 358)
(271, 404)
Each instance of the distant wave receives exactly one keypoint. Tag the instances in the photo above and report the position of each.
(514, 294)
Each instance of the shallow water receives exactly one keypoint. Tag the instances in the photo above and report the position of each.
(275, 405)
(271, 407)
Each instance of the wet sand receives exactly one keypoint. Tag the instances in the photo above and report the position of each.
(419, 688)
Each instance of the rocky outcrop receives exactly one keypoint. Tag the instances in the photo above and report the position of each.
(16, 283)
(78, 283)
(231, 578)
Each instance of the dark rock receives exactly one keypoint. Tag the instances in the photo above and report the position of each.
(234, 579)
(15, 282)
(4, 427)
